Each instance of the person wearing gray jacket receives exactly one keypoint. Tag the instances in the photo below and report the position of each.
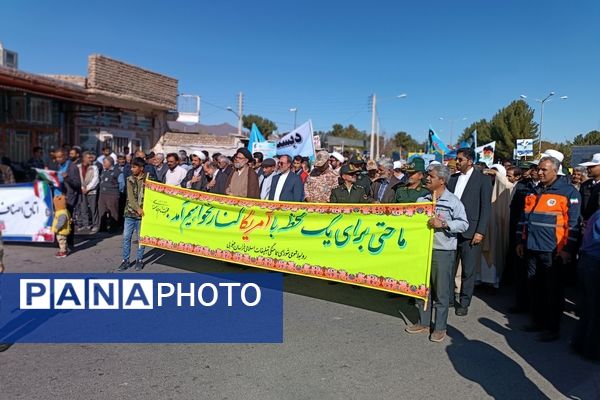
(450, 220)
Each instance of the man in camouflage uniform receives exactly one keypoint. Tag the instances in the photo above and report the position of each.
(321, 181)
(349, 191)
(414, 186)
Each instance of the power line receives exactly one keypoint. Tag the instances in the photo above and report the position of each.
(214, 105)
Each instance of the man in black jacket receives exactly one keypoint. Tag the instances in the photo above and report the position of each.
(195, 178)
(475, 192)
(222, 177)
(522, 189)
(72, 184)
(108, 196)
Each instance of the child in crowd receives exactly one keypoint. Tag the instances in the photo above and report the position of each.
(133, 214)
(61, 225)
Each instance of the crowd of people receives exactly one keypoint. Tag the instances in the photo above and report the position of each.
(537, 226)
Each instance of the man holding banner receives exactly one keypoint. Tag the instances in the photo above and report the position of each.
(349, 191)
(321, 181)
(450, 220)
(286, 186)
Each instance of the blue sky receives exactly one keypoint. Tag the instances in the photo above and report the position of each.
(454, 59)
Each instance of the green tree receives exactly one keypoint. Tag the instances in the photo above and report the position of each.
(590, 138)
(350, 132)
(484, 132)
(405, 141)
(512, 122)
(564, 148)
(265, 126)
(402, 141)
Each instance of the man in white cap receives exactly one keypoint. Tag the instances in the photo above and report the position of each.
(336, 160)
(590, 189)
(556, 154)
(398, 177)
(195, 178)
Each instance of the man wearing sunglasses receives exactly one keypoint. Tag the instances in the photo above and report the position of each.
(475, 192)
(286, 186)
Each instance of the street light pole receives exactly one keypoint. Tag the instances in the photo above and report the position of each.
(542, 102)
(240, 112)
(374, 150)
(295, 111)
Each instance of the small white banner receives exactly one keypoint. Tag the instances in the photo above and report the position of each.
(524, 147)
(269, 149)
(298, 142)
(26, 212)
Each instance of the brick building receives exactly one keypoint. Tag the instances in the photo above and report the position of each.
(116, 104)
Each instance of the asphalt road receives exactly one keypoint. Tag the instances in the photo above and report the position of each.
(339, 343)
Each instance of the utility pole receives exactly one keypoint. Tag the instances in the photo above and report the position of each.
(240, 112)
(373, 112)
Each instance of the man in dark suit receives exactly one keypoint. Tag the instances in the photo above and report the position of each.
(286, 186)
(475, 192)
(195, 178)
(222, 174)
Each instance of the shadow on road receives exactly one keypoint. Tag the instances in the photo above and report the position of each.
(23, 324)
(82, 241)
(496, 373)
(553, 361)
(480, 362)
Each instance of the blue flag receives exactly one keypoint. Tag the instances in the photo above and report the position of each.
(255, 136)
(470, 142)
(436, 144)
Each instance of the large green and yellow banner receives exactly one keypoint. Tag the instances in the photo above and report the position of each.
(381, 246)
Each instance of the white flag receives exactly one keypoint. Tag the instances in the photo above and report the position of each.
(298, 142)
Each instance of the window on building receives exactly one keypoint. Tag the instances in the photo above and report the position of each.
(18, 108)
(46, 140)
(41, 111)
(119, 144)
(22, 146)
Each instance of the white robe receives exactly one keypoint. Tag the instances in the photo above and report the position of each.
(495, 243)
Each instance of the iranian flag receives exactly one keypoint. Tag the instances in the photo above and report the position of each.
(48, 175)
